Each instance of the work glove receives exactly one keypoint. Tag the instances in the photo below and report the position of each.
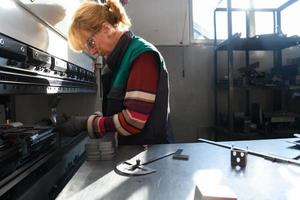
(71, 125)
(92, 125)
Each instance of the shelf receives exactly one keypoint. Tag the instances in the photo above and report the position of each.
(282, 80)
(224, 134)
(266, 86)
(260, 42)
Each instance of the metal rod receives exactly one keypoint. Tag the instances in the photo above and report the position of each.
(230, 98)
(286, 4)
(160, 157)
(216, 120)
(246, 9)
(273, 158)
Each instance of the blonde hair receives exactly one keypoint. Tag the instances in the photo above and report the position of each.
(89, 17)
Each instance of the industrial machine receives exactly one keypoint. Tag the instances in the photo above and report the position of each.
(35, 62)
(30, 152)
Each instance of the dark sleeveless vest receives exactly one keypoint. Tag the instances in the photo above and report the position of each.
(157, 129)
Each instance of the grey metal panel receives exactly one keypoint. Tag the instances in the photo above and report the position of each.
(21, 25)
(18, 24)
(191, 90)
(208, 165)
(70, 104)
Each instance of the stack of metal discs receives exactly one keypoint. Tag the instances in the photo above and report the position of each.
(107, 150)
(100, 149)
(92, 150)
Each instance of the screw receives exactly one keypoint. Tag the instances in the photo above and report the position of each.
(1, 41)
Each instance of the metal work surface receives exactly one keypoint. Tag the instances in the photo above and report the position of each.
(208, 166)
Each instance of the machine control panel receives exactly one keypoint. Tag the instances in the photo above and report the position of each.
(39, 72)
(9, 48)
(59, 65)
(38, 58)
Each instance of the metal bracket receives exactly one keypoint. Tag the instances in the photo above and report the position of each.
(238, 158)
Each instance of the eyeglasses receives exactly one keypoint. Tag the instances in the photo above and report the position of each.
(90, 42)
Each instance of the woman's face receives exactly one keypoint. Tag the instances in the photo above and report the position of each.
(99, 42)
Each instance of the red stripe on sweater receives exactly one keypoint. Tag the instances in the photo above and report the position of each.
(126, 126)
(138, 116)
(139, 106)
(101, 126)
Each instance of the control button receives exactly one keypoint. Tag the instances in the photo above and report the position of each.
(1, 41)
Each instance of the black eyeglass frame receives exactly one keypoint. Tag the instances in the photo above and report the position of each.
(90, 42)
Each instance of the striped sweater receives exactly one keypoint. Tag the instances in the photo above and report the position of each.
(139, 99)
(136, 94)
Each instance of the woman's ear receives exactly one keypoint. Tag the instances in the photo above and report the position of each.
(107, 28)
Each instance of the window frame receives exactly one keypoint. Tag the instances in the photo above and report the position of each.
(276, 20)
(191, 28)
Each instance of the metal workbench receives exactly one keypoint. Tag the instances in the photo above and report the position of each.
(208, 165)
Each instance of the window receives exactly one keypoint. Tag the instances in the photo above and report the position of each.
(262, 22)
(202, 16)
(289, 23)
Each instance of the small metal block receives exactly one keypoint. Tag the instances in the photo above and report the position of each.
(178, 156)
(238, 158)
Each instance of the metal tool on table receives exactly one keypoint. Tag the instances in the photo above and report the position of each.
(179, 156)
(272, 158)
(136, 168)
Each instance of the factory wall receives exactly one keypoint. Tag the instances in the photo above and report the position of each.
(163, 22)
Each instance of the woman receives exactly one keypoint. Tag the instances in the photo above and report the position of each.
(135, 80)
